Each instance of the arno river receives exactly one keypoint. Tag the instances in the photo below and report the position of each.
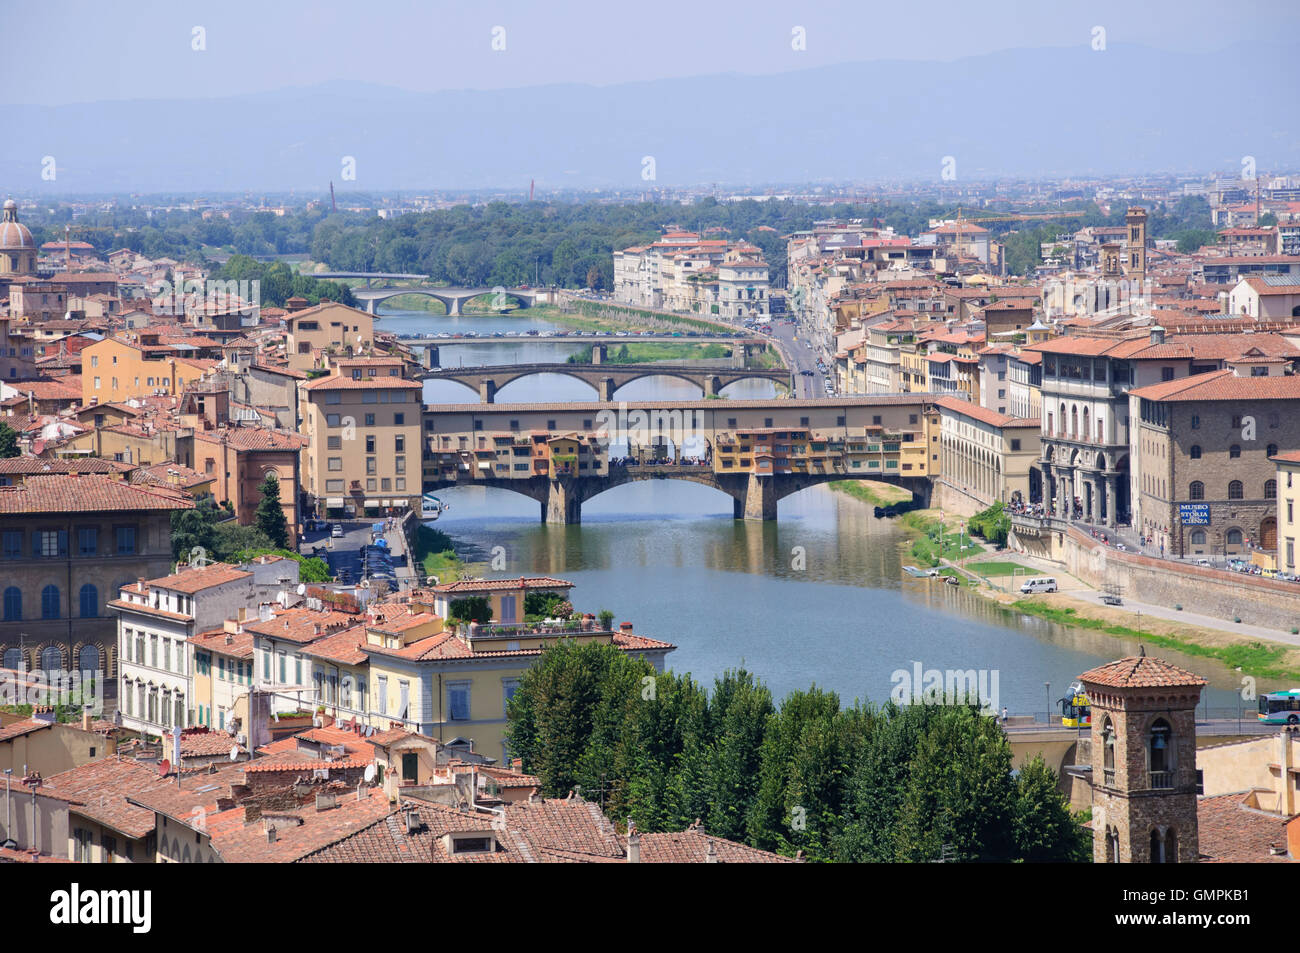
(819, 597)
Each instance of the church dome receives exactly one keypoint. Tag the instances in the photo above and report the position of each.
(14, 236)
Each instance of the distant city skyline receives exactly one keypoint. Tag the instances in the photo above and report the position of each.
(147, 50)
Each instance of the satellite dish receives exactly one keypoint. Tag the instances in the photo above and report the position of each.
(164, 768)
(234, 752)
(370, 773)
(302, 588)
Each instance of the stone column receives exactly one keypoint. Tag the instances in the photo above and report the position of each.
(1046, 495)
(1094, 503)
(563, 503)
(760, 498)
(1112, 499)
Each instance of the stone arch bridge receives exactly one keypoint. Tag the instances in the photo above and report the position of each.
(753, 497)
(605, 379)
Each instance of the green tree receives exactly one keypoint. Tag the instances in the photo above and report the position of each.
(8, 442)
(1043, 828)
(471, 609)
(270, 514)
(960, 796)
(195, 528)
(229, 539)
(564, 718)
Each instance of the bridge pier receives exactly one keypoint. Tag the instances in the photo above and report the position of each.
(711, 385)
(487, 390)
(370, 305)
(563, 504)
(453, 307)
(760, 498)
(605, 388)
(431, 357)
(599, 354)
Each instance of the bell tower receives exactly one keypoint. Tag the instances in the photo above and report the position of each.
(1135, 252)
(1143, 761)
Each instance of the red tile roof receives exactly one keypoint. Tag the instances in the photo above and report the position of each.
(88, 494)
(1230, 831)
(1139, 671)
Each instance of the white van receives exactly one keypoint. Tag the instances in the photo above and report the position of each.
(1039, 584)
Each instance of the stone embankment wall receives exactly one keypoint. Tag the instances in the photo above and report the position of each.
(1212, 592)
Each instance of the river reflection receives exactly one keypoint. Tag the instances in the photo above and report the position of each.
(819, 597)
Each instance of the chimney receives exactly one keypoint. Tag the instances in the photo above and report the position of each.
(625, 628)
(711, 857)
(85, 718)
(270, 835)
(633, 843)
(1157, 334)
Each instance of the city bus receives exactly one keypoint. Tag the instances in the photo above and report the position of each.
(1280, 708)
(1076, 709)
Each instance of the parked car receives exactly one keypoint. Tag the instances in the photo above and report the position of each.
(336, 532)
(1039, 584)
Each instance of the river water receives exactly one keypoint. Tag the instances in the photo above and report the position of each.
(819, 597)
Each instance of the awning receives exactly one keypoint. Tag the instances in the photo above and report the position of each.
(387, 502)
(334, 501)
(374, 503)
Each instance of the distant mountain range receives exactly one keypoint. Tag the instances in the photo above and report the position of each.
(1014, 114)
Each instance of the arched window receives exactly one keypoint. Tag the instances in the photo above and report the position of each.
(1198, 537)
(13, 659)
(1160, 761)
(13, 604)
(89, 601)
(1196, 491)
(1234, 537)
(1108, 752)
(88, 659)
(51, 658)
(1270, 489)
(1236, 490)
(1195, 452)
(1157, 848)
(50, 602)
(1112, 846)
(1272, 450)
(1234, 451)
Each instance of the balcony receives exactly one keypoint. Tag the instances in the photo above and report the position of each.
(1161, 780)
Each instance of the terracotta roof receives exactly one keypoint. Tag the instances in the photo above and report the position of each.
(498, 585)
(18, 728)
(692, 845)
(87, 494)
(342, 647)
(366, 383)
(252, 438)
(1223, 385)
(983, 414)
(302, 624)
(240, 646)
(1139, 671)
(100, 789)
(193, 579)
(1230, 831)
(41, 465)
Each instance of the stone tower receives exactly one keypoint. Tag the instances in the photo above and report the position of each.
(1143, 761)
(1135, 254)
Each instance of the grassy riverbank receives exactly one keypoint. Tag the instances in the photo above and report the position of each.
(1254, 657)
(869, 491)
(435, 552)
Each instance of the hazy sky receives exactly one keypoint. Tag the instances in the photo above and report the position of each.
(61, 51)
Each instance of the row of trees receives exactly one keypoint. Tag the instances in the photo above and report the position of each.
(210, 531)
(567, 244)
(912, 783)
